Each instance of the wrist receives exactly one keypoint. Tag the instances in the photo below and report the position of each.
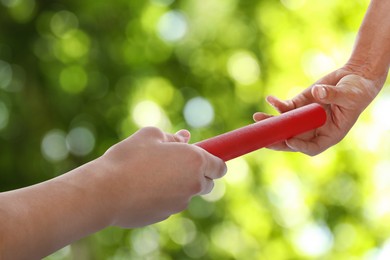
(370, 67)
(97, 189)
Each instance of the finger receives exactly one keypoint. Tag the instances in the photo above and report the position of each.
(307, 147)
(280, 105)
(258, 116)
(281, 146)
(182, 136)
(154, 133)
(185, 134)
(215, 167)
(344, 94)
(171, 138)
(326, 94)
(208, 185)
(348, 93)
(302, 99)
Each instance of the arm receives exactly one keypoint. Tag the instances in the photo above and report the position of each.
(371, 55)
(141, 180)
(346, 92)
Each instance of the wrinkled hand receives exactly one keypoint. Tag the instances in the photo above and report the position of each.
(152, 175)
(343, 94)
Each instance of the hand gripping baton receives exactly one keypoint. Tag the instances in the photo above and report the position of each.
(269, 131)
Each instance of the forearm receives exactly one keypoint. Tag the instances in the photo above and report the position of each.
(38, 220)
(142, 180)
(371, 54)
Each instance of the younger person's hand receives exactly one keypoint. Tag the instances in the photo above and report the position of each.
(139, 181)
(152, 175)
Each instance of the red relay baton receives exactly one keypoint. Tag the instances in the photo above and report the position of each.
(269, 131)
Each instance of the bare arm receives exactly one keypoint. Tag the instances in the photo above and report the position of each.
(41, 219)
(371, 54)
(141, 180)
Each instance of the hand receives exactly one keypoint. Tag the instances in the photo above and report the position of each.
(139, 181)
(152, 175)
(343, 93)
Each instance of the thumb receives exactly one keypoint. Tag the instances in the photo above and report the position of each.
(328, 94)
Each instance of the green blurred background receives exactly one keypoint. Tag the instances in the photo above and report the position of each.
(78, 76)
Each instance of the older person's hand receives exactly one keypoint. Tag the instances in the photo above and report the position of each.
(343, 94)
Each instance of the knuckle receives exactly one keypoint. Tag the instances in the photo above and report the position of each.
(198, 159)
(151, 131)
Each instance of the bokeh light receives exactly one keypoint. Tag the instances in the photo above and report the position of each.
(200, 208)
(160, 90)
(378, 206)
(238, 171)
(380, 111)
(172, 26)
(293, 4)
(148, 113)
(383, 253)
(286, 195)
(73, 46)
(244, 68)
(198, 248)
(80, 141)
(5, 74)
(10, 3)
(217, 193)
(184, 232)
(21, 10)
(77, 77)
(63, 22)
(53, 146)
(314, 240)
(345, 235)
(18, 80)
(198, 112)
(73, 79)
(145, 241)
(162, 2)
(316, 64)
(4, 115)
(228, 236)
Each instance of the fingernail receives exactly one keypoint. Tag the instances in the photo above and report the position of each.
(255, 115)
(321, 91)
(270, 100)
(184, 133)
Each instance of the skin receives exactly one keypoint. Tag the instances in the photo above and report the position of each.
(152, 175)
(346, 92)
(139, 181)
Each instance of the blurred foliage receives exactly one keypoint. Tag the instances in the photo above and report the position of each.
(78, 76)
